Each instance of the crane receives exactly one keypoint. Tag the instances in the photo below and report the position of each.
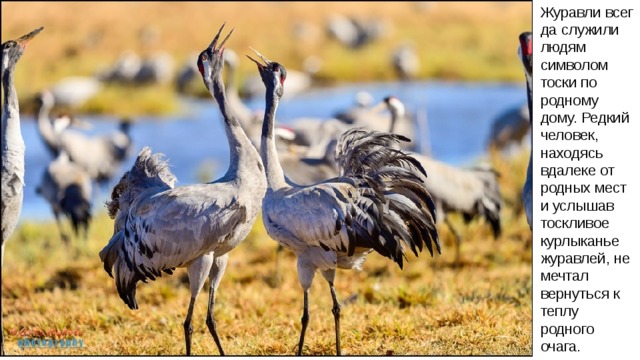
(470, 192)
(369, 117)
(12, 143)
(67, 188)
(100, 156)
(509, 127)
(526, 56)
(405, 61)
(378, 203)
(159, 227)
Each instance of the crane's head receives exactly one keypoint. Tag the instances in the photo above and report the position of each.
(273, 74)
(45, 99)
(211, 60)
(394, 105)
(525, 51)
(12, 50)
(61, 123)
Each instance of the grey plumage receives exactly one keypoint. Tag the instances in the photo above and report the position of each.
(159, 227)
(12, 143)
(379, 203)
(308, 170)
(509, 127)
(526, 56)
(315, 133)
(66, 186)
(470, 192)
(100, 156)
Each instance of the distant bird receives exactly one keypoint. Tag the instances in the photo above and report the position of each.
(157, 68)
(159, 227)
(405, 61)
(469, 192)
(353, 33)
(124, 70)
(67, 188)
(75, 91)
(378, 203)
(45, 102)
(509, 127)
(186, 73)
(306, 170)
(12, 143)
(315, 133)
(100, 156)
(526, 56)
(370, 118)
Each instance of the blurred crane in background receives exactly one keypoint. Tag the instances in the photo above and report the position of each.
(66, 186)
(100, 156)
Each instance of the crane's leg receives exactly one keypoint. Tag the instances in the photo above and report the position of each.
(65, 238)
(304, 320)
(188, 329)
(457, 236)
(215, 275)
(330, 276)
(305, 275)
(197, 270)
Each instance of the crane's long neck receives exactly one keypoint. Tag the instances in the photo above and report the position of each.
(240, 148)
(394, 120)
(45, 128)
(232, 87)
(268, 152)
(12, 142)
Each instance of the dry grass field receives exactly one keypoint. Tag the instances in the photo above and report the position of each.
(455, 41)
(480, 306)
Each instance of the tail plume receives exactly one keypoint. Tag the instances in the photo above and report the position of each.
(148, 172)
(392, 184)
(114, 258)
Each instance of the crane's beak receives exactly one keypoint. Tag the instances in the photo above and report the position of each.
(213, 44)
(22, 41)
(262, 57)
(381, 106)
(80, 123)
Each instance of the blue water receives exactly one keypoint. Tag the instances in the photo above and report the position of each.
(459, 116)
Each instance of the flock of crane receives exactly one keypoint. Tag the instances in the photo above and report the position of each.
(366, 191)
